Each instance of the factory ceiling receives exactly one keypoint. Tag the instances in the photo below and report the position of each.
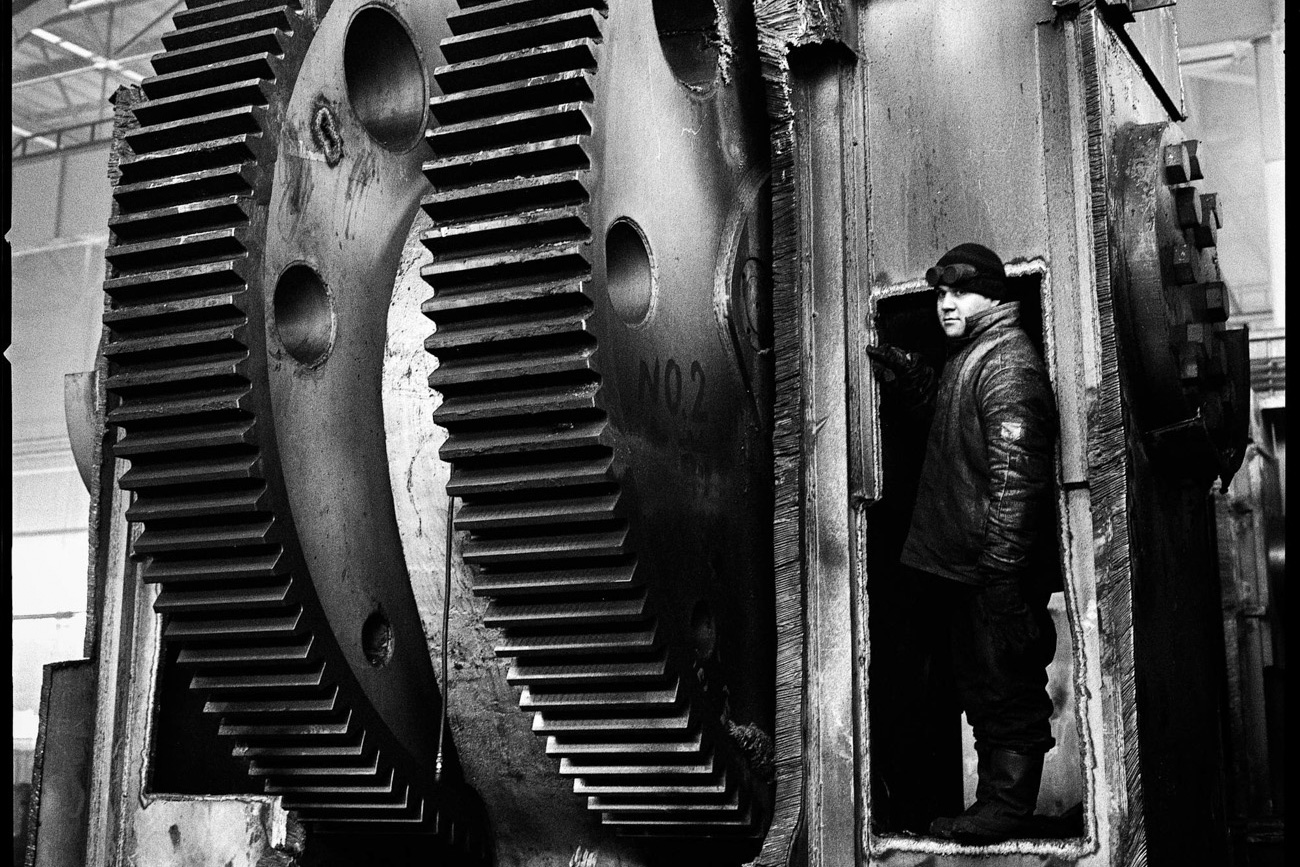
(69, 56)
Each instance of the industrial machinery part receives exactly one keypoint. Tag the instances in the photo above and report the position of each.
(256, 225)
(606, 390)
(600, 293)
(1190, 374)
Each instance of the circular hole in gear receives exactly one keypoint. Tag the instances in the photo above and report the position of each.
(385, 78)
(703, 631)
(304, 314)
(629, 277)
(688, 35)
(377, 639)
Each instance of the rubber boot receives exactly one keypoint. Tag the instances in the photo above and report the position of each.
(1005, 797)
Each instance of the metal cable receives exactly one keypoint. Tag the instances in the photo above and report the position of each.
(446, 619)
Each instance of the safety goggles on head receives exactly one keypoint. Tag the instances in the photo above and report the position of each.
(950, 275)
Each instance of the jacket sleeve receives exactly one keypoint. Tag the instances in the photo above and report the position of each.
(1018, 416)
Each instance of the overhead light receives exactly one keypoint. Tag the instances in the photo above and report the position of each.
(70, 47)
(88, 4)
(97, 61)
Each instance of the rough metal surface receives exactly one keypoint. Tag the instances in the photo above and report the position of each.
(61, 768)
(1156, 555)
(782, 25)
(1189, 374)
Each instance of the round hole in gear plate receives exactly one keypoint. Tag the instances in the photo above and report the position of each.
(385, 79)
(629, 273)
(377, 639)
(304, 314)
(688, 35)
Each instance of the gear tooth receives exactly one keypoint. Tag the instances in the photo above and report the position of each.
(234, 628)
(212, 502)
(255, 598)
(541, 227)
(289, 679)
(503, 197)
(555, 475)
(640, 639)
(505, 130)
(522, 551)
(561, 614)
(483, 516)
(522, 36)
(599, 578)
(700, 763)
(266, 41)
(651, 670)
(248, 655)
(169, 189)
(204, 28)
(569, 86)
(254, 67)
(560, 261)
(485, 16)
(182, 282)
(508, 407)
(174, 473)
(187, 130)
(207, 11)
(161, 253)
(534, 159)
(218, 96)
(264, 563)
(564, 56)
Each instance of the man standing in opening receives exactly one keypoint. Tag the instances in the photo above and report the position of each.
(982, 521)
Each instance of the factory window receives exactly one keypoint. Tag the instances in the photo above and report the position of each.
(923, 761)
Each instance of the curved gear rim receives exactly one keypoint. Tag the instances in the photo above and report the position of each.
(186, 383)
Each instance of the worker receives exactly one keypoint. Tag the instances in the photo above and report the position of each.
(981, 521)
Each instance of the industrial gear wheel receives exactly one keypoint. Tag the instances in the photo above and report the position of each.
(258, 210)
(600, 255)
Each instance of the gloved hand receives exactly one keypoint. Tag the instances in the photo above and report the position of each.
(889, 362)
(904, 373)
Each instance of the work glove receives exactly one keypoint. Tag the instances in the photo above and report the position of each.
(902, 373)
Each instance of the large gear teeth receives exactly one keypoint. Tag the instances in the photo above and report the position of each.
(242, 627)
(528, 441)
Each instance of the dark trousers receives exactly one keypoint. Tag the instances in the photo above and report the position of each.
(1002, 640)
(939, 647)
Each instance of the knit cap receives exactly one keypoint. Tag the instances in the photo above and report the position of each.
(991, 276)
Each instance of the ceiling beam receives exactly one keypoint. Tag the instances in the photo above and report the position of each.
(97, 61)
(33, 13)
(45, 12)
(66, 70)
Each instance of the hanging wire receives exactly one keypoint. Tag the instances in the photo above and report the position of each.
(446, 619)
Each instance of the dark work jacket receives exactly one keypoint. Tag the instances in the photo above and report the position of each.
(984, 506)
